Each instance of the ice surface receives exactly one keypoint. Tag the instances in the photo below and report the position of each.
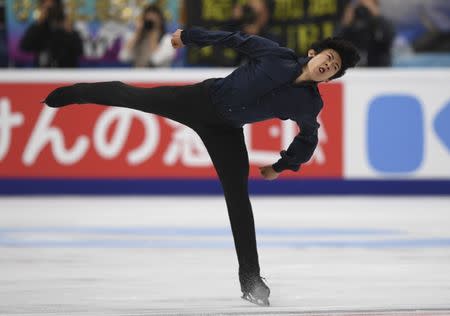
(175, 256)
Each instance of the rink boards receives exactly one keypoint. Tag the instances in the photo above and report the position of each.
(382, 132)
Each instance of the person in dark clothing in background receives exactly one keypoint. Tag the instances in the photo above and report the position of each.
(373, 35)
(251, 18)
(52, 38)
(274, 83)
(149, 45)
(3, 45)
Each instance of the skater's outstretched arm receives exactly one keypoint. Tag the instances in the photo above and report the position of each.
(252, 45)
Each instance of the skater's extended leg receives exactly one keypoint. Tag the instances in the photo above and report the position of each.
(175, 102)
(227, 149)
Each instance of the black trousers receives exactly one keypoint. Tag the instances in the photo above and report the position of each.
(191, 106)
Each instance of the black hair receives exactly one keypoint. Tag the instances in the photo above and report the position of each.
(56, 13)
(346, 50)
(155, 9)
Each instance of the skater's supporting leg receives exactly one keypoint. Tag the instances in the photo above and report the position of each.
(175, 102)
(227, 149)
(228, 152)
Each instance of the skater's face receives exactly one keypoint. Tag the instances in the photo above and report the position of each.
(323, 65)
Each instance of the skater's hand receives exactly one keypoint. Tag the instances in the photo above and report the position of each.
(268, 173)
(176, 39)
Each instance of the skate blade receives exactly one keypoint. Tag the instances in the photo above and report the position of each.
(258, 301)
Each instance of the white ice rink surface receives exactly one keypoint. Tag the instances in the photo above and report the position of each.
(175, 256)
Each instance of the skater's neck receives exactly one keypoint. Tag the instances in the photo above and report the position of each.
(304, 76)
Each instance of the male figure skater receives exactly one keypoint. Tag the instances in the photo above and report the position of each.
(275, 83)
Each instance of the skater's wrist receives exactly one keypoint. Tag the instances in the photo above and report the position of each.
(278, 167)
(184, 37)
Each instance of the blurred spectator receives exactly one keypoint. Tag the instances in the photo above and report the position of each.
(3, 46)
(252, 18)
(363, 25)
(424, 25)
(423, 32)
(149, 45)
(52, 37)
(436, 20)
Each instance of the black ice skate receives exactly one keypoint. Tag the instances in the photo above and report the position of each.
(255, 290)
(62, 96)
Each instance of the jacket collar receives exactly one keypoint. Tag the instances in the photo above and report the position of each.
(302, 61)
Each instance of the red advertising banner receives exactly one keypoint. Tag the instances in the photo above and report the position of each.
(92, 141)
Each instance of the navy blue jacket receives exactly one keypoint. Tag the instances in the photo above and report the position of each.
(263, 89)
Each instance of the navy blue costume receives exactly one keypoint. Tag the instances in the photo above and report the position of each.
(217, 109)
(263, 89)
